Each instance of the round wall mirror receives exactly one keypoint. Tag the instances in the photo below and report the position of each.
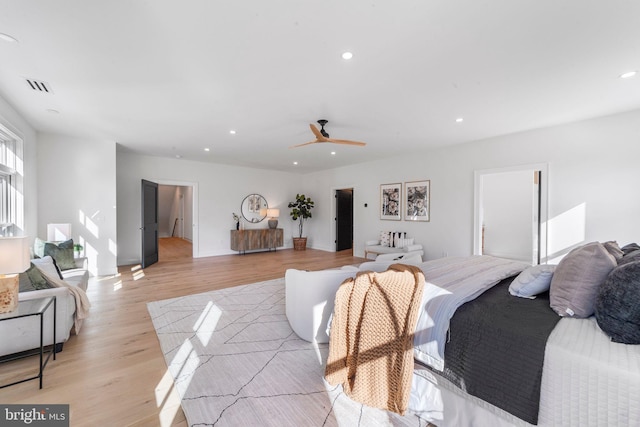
(254, 208)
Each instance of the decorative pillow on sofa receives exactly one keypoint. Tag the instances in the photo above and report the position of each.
(38, 248)
(62, 253)
(24, 283)
(47, 265)
(532, 281)
(617, 303)
(384, 238)
(35, 278)
(577, 277)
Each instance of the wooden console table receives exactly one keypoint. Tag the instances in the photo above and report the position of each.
(262, 238)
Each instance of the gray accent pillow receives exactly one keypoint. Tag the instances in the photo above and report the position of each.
(36, 279)
(630, 248)
(532, 281)
(578, 276)
(630, 257)
(24, 283)
(618, 304)
(614, 249)
(62, 253)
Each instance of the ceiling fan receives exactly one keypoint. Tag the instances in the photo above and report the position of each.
(323, 136)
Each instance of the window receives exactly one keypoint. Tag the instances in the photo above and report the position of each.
(8, 182)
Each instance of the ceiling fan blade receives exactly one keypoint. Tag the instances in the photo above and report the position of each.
(306, 143)
(347, 142)
(316, 132)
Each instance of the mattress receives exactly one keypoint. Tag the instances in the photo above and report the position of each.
(587, 381)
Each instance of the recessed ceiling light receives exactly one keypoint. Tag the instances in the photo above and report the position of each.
(459, 120)
(628, 74)
(347, 55)
(232, 132)
(295, 163)
(333, 153)
(8, 38)
(207, 149)
(178, 156)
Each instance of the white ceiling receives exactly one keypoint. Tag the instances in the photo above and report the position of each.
(171, 78)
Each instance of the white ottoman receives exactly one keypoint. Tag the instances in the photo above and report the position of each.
(309, 299)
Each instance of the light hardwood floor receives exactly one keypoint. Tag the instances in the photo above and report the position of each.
(113, 372)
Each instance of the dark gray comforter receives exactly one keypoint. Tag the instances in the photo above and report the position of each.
(496, 349)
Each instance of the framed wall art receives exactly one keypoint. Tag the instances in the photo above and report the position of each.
(390, 200)
(417, 203)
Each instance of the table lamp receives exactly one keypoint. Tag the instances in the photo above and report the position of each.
(14, 259)
(273, 215)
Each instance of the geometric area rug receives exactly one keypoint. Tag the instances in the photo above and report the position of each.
(235, 361)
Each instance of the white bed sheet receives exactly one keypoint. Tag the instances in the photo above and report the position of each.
(587, 381)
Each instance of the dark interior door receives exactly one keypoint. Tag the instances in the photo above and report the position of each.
(149, 223)
(344, 219)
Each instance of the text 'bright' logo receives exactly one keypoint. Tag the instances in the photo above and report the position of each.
(38, 415)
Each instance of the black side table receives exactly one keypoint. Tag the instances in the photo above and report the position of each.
(34, 307)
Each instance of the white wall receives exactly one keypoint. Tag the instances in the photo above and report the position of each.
(10, 119)
(220, 191)
(593, 175)
(77, 185)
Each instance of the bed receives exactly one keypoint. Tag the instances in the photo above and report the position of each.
(584, 379)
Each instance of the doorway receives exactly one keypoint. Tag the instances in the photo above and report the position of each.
(170, 210)
(510, 213)
(344, 219)
(175, 222)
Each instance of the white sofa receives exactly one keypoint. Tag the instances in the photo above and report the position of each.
(403, 246)
(23, 334)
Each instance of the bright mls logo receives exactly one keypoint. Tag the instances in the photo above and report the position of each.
(34, 415)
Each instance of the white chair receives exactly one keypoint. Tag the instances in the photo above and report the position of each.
(309, 300)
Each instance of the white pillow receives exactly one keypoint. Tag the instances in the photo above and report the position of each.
(47, 266)
(532, 281)
(384, 238)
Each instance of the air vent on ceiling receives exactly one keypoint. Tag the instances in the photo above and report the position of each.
(39, 86)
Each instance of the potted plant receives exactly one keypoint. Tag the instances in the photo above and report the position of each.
(301, 210)
(77, 248)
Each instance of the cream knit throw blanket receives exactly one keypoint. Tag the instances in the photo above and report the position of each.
(371, 338)
(82, 301)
